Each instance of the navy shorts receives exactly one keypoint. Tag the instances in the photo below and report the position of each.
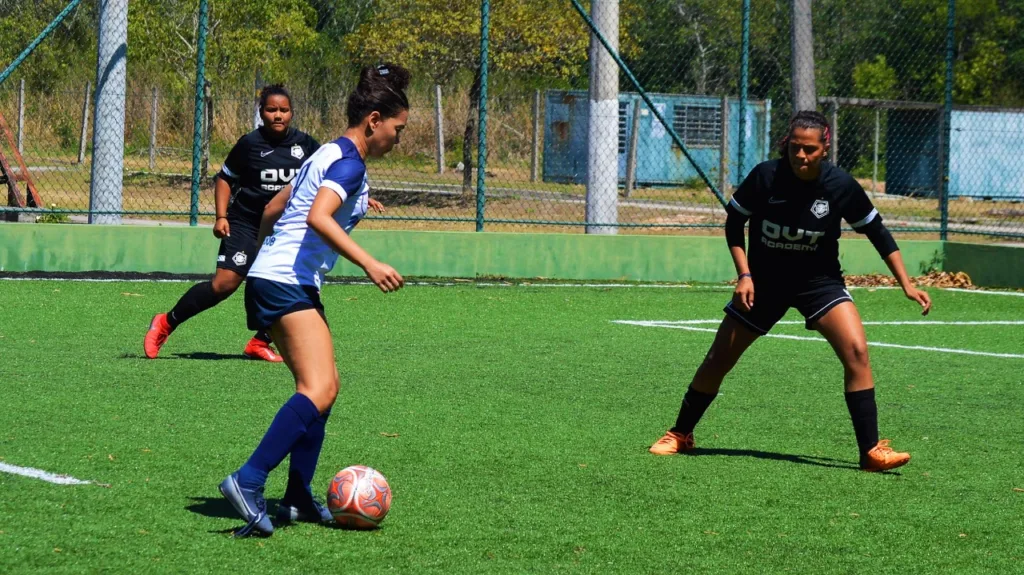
(238, 251)
(771, 304)
(267, 301)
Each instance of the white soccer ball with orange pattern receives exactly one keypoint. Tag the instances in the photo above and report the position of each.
(359, 497)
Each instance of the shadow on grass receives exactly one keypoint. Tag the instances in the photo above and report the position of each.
(209, 356)
(803, 459)
(196, 355)
(219, 508)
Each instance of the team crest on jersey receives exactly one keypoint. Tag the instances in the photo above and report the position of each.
(819, 208)
(239, 258)
(297, 152)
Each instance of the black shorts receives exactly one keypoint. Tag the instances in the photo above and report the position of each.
(238, 251)
(267, 301)
(771, 304)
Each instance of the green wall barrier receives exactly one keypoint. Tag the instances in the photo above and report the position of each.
(178, 249)
(988, 265)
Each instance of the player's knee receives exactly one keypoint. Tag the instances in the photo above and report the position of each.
(224, 287)
(855, 356)
(330, 384)
(322, 391)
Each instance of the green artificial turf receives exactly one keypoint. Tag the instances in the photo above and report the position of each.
(512, 424)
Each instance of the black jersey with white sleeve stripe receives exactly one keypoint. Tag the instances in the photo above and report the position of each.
(257, 168)
(795, 225)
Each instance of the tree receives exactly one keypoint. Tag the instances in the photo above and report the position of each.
(68, 54)
(437, 39)
(874, 79)
(242, 35)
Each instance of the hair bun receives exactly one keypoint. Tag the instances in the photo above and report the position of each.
(381, 88)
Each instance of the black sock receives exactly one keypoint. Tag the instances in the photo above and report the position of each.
(864, 413)
(695, 403)
(264, 336)
(197, 299)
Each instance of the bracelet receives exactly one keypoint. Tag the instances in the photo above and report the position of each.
(745, 275)
(221, 218)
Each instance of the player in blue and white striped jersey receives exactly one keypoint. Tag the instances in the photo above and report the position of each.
(311, 224)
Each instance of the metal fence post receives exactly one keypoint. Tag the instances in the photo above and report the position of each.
(602, 208)
(535, 149)
(107, 174)
(481, 160)
(197, 127)
(834, 151)
(85, 123)
(874, 168)
(634, 140)
(439, 128)
(204, 168)
(802, 41)
(21, 116)
(947, 117)
(153, 119)
(741, 153)
(723, 147)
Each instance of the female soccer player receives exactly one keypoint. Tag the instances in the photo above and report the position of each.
(329, 197)
(259, 166)
(794, 205)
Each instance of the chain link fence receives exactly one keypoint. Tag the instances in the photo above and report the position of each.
(572, 143)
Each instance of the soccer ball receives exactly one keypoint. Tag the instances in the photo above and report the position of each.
(359, 497)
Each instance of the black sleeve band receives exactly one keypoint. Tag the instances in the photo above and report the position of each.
(734, 224)
(879, 236)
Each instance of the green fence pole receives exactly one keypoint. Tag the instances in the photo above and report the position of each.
(197, 128)
(947, 117)
(39, 39)
(647, 100)
(481, 160)
(741, 154)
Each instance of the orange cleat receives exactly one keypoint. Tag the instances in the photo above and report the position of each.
(259, 349)
(157, 335)
(672, 443)
(883, 458)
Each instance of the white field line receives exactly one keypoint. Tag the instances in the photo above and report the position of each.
(818, 339)
(711, 287)
(413, 283)
(1010, 293)
(796, 322)
(45, 475)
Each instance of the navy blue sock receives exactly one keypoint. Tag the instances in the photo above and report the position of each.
(303, 461)
(292, 421)
(264, 336)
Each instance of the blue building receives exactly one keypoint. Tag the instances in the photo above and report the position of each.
(986, 147)
(697, 120)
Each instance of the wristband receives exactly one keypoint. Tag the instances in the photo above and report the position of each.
(744, 275)
(221, 218)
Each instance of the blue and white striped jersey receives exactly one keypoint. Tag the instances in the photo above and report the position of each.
(295, 254)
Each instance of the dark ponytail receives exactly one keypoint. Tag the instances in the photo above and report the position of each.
(807, 119)
(381, 89)
(273, 90)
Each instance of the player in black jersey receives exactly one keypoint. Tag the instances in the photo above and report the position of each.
(257, 168)
(795, 205)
